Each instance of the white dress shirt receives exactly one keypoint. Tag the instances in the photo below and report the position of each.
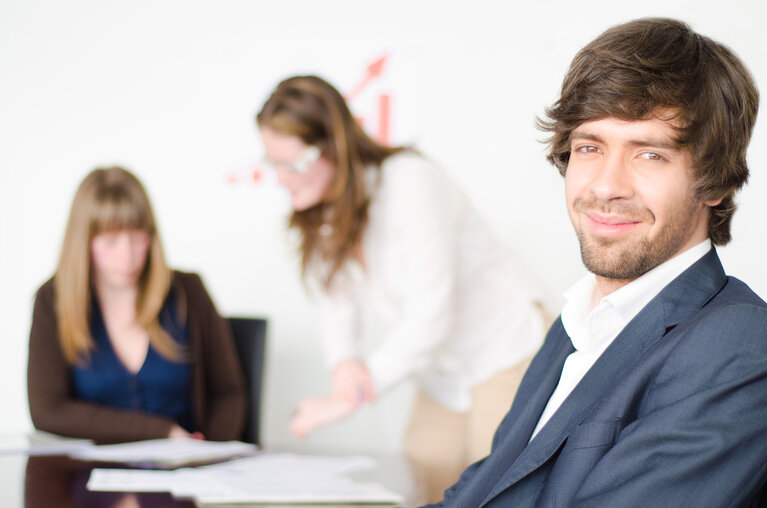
(592, 330)
(448, 304)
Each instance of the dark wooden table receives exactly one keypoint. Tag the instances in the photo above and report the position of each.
(59, 482)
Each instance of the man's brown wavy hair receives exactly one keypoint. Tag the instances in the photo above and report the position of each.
(648, 67)
(312, 109)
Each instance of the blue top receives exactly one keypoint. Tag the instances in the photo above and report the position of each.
(160, 387)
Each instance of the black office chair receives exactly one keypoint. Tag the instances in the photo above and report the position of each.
(250, 339)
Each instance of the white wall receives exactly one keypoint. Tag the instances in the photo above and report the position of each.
(169, 88)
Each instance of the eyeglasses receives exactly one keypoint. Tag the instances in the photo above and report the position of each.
(300, 165)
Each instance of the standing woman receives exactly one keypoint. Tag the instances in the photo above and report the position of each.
(384, 231)
(121, 347)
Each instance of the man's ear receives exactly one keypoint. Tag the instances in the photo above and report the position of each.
(711, 203)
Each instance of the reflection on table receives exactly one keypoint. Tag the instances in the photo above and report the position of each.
(58, 481)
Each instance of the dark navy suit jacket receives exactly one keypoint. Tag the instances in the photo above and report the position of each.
(674, 412)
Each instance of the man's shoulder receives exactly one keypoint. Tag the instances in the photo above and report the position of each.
(737, 292)
(736, 311)
(724, 340)
(704, 296)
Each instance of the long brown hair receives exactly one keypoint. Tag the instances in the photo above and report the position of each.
(639, 69)
(108, 199)
(313, 110)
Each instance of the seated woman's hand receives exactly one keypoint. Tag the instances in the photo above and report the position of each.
(318, 411)
(176, 432)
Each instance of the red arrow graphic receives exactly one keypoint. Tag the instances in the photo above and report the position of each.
(373, 71)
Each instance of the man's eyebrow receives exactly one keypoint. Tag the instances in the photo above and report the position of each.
(667, 144)
(580, 134)
(655, 143)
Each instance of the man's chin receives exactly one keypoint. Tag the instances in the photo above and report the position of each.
(618, 264)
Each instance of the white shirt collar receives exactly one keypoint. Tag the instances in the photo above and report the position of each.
(626, 302)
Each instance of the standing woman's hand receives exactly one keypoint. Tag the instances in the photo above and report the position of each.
(317, 412)
(352, 382)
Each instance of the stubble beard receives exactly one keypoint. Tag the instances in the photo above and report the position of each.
(623, 259)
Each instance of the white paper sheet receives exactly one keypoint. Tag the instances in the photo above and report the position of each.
(132, 480)
(264, 478)
(296, 464)
(41, 443)
(166, 452)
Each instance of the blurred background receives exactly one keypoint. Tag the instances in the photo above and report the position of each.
(169, 89)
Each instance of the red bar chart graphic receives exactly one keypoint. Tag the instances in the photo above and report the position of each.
(372, 72)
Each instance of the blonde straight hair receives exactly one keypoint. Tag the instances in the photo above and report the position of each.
(109, 199)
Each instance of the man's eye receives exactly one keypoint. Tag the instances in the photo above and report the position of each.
(587, 149)
(652, 156)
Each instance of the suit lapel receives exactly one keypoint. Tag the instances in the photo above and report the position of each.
(542, 378)
(687, 293)
(692, 289)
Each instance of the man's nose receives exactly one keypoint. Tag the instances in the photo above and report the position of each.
(613, 178)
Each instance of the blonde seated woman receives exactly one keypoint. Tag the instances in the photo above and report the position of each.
(121, 347)
(386, 233)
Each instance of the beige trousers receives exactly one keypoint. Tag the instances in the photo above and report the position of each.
(440, 443)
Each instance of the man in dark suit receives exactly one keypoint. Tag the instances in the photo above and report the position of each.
(651, 388)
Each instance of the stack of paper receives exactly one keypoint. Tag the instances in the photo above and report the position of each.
(166, 453)
(41, 443)
(264, 478)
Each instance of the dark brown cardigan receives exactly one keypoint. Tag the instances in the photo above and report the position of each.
(219, 399)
